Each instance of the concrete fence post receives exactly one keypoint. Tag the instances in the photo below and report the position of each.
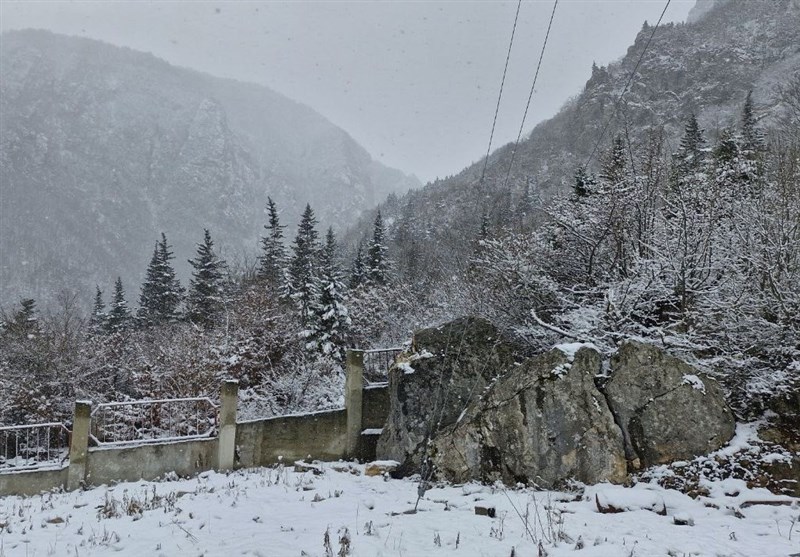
(353, 396)
(79, 444)
(226, 450)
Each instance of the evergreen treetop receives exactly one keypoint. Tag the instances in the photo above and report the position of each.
(302, 274)
(24, 321)
(119, 314)
(331, 318)
(358, 273)
(377, 262)
(273, 252)
(206, 288)
(98, 319)
(162, 292)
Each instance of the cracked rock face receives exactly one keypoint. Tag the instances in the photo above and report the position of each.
(544, 422)
(667, 410)
(434, 382)
(461, 397)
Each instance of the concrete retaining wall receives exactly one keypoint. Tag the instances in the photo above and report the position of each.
(321, 435)
(32, 482)
(148, 462)
(328, 435)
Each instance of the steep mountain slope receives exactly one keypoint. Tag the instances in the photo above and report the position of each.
(706, 67)
(102, 148)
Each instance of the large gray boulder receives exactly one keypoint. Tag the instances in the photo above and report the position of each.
(446, 368)
(667, 409)
(544, 422)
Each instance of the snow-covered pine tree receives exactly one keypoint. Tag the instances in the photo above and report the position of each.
(358, 273)
(97, 322)
(119, 314)
(206, 296)
(148, 297)
(583, 184)
(479, 245)
(272, 260)
(331, 318)
(752, 142)
(301, 278)
(24, 322)
(162, 292)
(524, 209)
(377, 258)
(752, 150)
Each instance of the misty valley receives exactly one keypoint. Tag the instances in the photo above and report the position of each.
(229, 328)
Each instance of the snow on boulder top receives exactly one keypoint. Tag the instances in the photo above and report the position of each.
(571, 348)
(695, 382)
(405, 367)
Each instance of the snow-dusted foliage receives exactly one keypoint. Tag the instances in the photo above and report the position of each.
(698, 250)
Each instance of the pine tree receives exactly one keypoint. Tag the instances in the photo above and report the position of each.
(331, 318)
(97, 322)
(525, 206)
(302, 273)
(172, 293)
(273, 253)
(118, 315)
(148, 297)
(584, 184)
(691, 155)
(486, 227)
(752, 138)
(161, 293)
(752, 149)
(24, 322)
(206, 290)
(358, 273)
(484, 233)
(615, 190)
(377, 262)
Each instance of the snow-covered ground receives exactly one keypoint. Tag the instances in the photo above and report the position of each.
(274, 512)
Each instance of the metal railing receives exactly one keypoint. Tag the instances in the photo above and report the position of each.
(377, 364)
(153, 421)
(28, 447)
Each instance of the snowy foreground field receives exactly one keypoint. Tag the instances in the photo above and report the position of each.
(277, 511)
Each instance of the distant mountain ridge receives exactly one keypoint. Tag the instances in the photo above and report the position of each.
(706, 67)
(103, 147)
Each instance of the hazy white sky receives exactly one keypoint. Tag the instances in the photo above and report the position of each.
(414, 82)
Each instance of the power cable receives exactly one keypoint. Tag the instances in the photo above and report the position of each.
(500, 95)
(530, 95)
(625, 89)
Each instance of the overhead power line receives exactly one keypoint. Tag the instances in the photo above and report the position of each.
(625, 89)
(530, 94)
(500, 95)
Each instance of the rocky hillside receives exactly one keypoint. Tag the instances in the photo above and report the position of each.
(102, 148)
(705, 67)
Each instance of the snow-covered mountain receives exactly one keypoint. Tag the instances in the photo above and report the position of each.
(704, 67)
(102, 148)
